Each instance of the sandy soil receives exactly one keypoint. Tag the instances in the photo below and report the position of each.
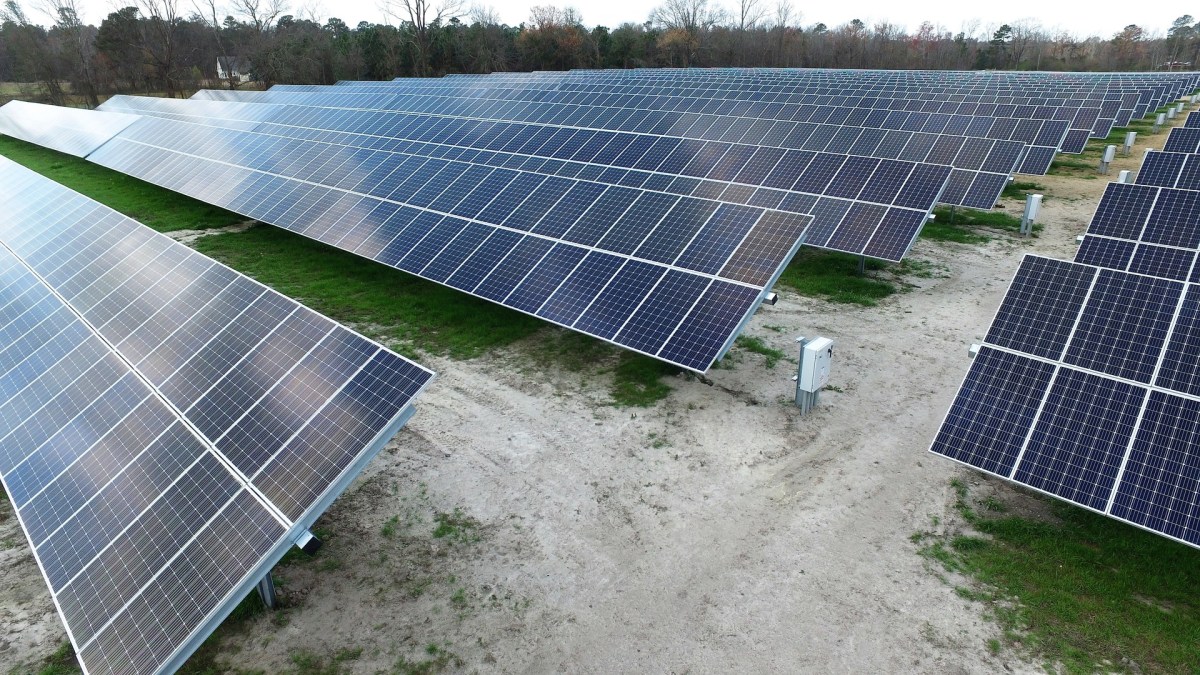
(717, 532)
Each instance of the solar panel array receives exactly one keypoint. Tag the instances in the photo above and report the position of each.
(739, 154)
(73, 131)
(1087, 385)
(170, 427)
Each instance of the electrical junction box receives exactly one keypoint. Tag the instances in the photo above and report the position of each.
(815, 363)
(1110, 153)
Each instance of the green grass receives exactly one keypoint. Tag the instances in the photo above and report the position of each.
(968, 226)
(156, 207)
(379, 300)
(1017, 189)
(456, 526)
(1084, 590)
(204, 661)
(834, 276)
(61, 662)
(757, 346)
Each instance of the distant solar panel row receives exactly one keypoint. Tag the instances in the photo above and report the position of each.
(673, 277)
(838, 165)
(1087, 389)
(169, 426)
(693, 118)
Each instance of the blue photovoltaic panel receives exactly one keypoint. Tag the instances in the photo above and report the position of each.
(1161, 168)
(1183, 139)
(1123, 325)
(1079, 440)
(1144, 229)
(739, 173)
(406, 211)
(996, 405)
(1040, 308)
(1114, 254)
(1120, 438)
(170, 426)
(1180, 370)
(1159, 488)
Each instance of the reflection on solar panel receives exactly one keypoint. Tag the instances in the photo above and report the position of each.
(170, 426)
(982, 166)
(71, 130)
(1086, 388)
(602, 259)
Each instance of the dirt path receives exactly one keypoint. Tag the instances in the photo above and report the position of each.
(717, 532)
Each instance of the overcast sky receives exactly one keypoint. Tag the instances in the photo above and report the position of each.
(1082, 19)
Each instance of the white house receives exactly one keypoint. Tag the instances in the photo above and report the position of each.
(233, 67)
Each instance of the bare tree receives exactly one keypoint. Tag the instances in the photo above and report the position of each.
(260, 13)
(208, 10)
(161, 24)
(422, 15)
(32, 49)
(78, 43)
(685, 22)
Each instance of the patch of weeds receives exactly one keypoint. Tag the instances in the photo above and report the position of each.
(389, 527)
(969, 226)
(921, 269)
(61, 662)
(1017, 189)
(307, 663)
(159, 208)
(834, 277)
(1082, 590)
(756, 345)
(204, 660)
(437, 659)
(638, 381)
(776, 329)
(456, 526)
(938, 230)
(658, 441)
(833, 388)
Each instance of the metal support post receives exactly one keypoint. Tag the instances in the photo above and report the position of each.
(862, 267)
(1032, 203)
(266, 590)
(805, 399)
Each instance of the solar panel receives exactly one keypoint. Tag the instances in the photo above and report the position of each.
(509, 247)
(1170, 169)
(170, 426)
(1086, 389)
(1144, 229)
(798, 181)
(71, 130)
(1183, 139)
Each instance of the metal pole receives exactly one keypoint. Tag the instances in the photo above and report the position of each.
(266, 590)
(801, 395)
(862, 265)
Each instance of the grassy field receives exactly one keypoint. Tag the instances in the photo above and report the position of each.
(1081, 589)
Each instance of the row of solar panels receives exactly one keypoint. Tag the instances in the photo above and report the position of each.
(169, 427)
(1087, 385)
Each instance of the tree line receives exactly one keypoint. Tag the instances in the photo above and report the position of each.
(165, 47)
